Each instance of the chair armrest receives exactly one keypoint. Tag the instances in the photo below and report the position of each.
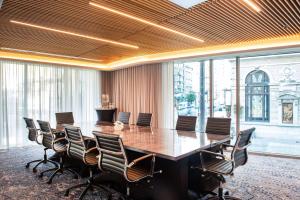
(135, 161)
(143, 158)
(227, 145)
(212, 153)
(91, 149)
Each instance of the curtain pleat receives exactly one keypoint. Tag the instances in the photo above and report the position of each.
(135, 89)
(39, 91)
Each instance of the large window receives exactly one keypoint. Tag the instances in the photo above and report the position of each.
(191, 91)
(268, 97)
(38, 91)
(270, 93)
(257, 96)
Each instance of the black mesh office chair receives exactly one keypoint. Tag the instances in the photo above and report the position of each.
(186, 123)
(83, 149)
(216, 125)
(124, 117)
(55, 140)
(113, 158)
(64, 118)
(33, 135)
(144, 119)
(220, 165)
(219, 126)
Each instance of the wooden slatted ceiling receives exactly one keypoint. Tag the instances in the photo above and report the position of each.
(217, 22)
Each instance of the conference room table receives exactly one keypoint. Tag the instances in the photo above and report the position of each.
(172, 148)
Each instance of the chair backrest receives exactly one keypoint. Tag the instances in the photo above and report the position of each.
(112, 154)
(220, 126)
(124, 117)
(64, 118)
(76, 145)
(45, 129)
(186, 123)
(32, 130)
(239, 153)
(144, 119)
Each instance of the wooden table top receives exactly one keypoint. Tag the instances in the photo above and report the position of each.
(165, 143)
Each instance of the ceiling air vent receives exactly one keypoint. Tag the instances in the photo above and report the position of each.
(187, 3)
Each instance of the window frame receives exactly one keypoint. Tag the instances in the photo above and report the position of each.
(264, 95)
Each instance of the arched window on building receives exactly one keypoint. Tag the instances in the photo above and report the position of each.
(257, 96)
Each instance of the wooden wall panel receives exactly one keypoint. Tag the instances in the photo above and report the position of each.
(217, 22)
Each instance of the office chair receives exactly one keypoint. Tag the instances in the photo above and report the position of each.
(186, 123)
(218, 125)
(64, 118)
(55, 140)
(113, 158)
(144, 119)
(33, 135)
(124, 117)
(82, 149)
(220, 165)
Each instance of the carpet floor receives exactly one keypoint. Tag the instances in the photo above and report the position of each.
(262, 178)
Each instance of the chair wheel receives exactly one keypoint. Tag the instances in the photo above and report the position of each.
(226, 193)
(41, 175)
(27, 165)
(67, 193)
(34, 170)
(49, 182)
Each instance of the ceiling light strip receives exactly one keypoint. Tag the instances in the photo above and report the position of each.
(145, 21)
(48, 54)
(252, 5)
(75, 34)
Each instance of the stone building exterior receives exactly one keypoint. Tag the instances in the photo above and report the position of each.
(282, 83)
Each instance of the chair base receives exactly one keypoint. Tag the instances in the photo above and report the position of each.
(223, 198)
(41, 161)
(58, 169)
(88, 185)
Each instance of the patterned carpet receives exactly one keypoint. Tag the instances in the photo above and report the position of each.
(263, 178)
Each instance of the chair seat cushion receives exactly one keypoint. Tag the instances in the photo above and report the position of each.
(218, 166)
(91, 158)
(137, 173)
(59, 147)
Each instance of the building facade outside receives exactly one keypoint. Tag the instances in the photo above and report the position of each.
(269, 98)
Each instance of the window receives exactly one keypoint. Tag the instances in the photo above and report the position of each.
(257, 96)
(191, 91)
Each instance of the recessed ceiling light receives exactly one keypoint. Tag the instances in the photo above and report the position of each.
(76, 34)
(48, 54)
(187, 3)
(252, 5)
(144, 21)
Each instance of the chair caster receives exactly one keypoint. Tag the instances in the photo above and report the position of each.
(67, 193)
(27, 165)
(40, 175)
(75, 177)
(226, 193)
(49, 182)
(34, 170)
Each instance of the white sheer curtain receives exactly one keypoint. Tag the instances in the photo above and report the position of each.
(38, 91)
(166, 117)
